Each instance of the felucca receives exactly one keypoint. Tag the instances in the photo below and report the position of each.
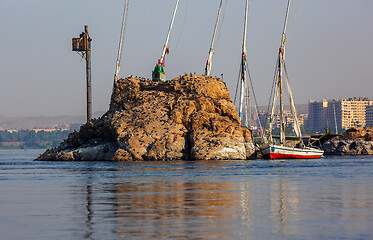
(269, 149)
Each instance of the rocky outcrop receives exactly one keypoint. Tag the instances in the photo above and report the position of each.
(355, 141)
(190, 118)
(348, 147)
(357, 133)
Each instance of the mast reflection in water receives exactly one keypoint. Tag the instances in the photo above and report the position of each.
(314, 199)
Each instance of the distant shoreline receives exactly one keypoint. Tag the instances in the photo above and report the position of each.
(25, 139)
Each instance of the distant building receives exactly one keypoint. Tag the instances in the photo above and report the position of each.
(288, 117)
(317, 114)
(369, 116)
(337, 114)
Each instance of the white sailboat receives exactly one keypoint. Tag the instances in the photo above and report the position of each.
(269, 149)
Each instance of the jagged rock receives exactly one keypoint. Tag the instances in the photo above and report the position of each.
(358, 133)
(354, 141)
(191, 118)
(348, 147)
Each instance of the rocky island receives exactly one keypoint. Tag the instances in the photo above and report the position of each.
(191, 117)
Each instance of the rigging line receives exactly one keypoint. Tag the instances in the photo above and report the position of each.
(256, 102)
(276, 95)
(182, 29)
(272, 92)
(125, 24)
(221, 23)
(238, 84)
(81, 55)
(292, 105)
(293, 22)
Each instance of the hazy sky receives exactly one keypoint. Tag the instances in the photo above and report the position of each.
(329, 50)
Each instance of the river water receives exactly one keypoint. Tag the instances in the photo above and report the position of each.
(329, 198)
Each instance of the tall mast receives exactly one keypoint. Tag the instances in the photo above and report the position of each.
(243, 69)
(169, 33)
(282, 117)
(117, 68)
(211, 52)
(335, 120)
(280, 77)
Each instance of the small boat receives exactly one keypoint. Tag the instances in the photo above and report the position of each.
(272, 151)
(269, 148)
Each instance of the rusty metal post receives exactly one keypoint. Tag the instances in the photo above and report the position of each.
(88, 40)
(82, 45)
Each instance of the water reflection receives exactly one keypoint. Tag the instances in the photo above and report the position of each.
(89, 222)
(176, 209)
(152, 205)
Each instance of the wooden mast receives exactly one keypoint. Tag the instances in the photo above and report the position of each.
(117, 68)
(280, 76)
(168, 35)
(211, 52)
(243, 70)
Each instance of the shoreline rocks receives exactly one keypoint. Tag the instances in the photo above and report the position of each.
(355, 141)
(188, 118)
(348, 147)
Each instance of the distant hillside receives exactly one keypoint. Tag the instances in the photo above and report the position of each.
(24, 123)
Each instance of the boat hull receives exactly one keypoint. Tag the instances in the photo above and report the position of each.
(282, 152)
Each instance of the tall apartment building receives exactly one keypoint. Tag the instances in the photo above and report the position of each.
(317, 114)
(337, 114)
(369, 116)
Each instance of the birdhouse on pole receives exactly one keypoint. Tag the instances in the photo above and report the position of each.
(82, 45)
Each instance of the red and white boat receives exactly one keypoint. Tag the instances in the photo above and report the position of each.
(272, 151)
(269, 149)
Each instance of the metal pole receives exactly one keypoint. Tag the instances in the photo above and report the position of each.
(88, 72)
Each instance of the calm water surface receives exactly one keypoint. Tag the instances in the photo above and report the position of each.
(330, 198)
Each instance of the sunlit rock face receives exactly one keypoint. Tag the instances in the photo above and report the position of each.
(188, 118)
